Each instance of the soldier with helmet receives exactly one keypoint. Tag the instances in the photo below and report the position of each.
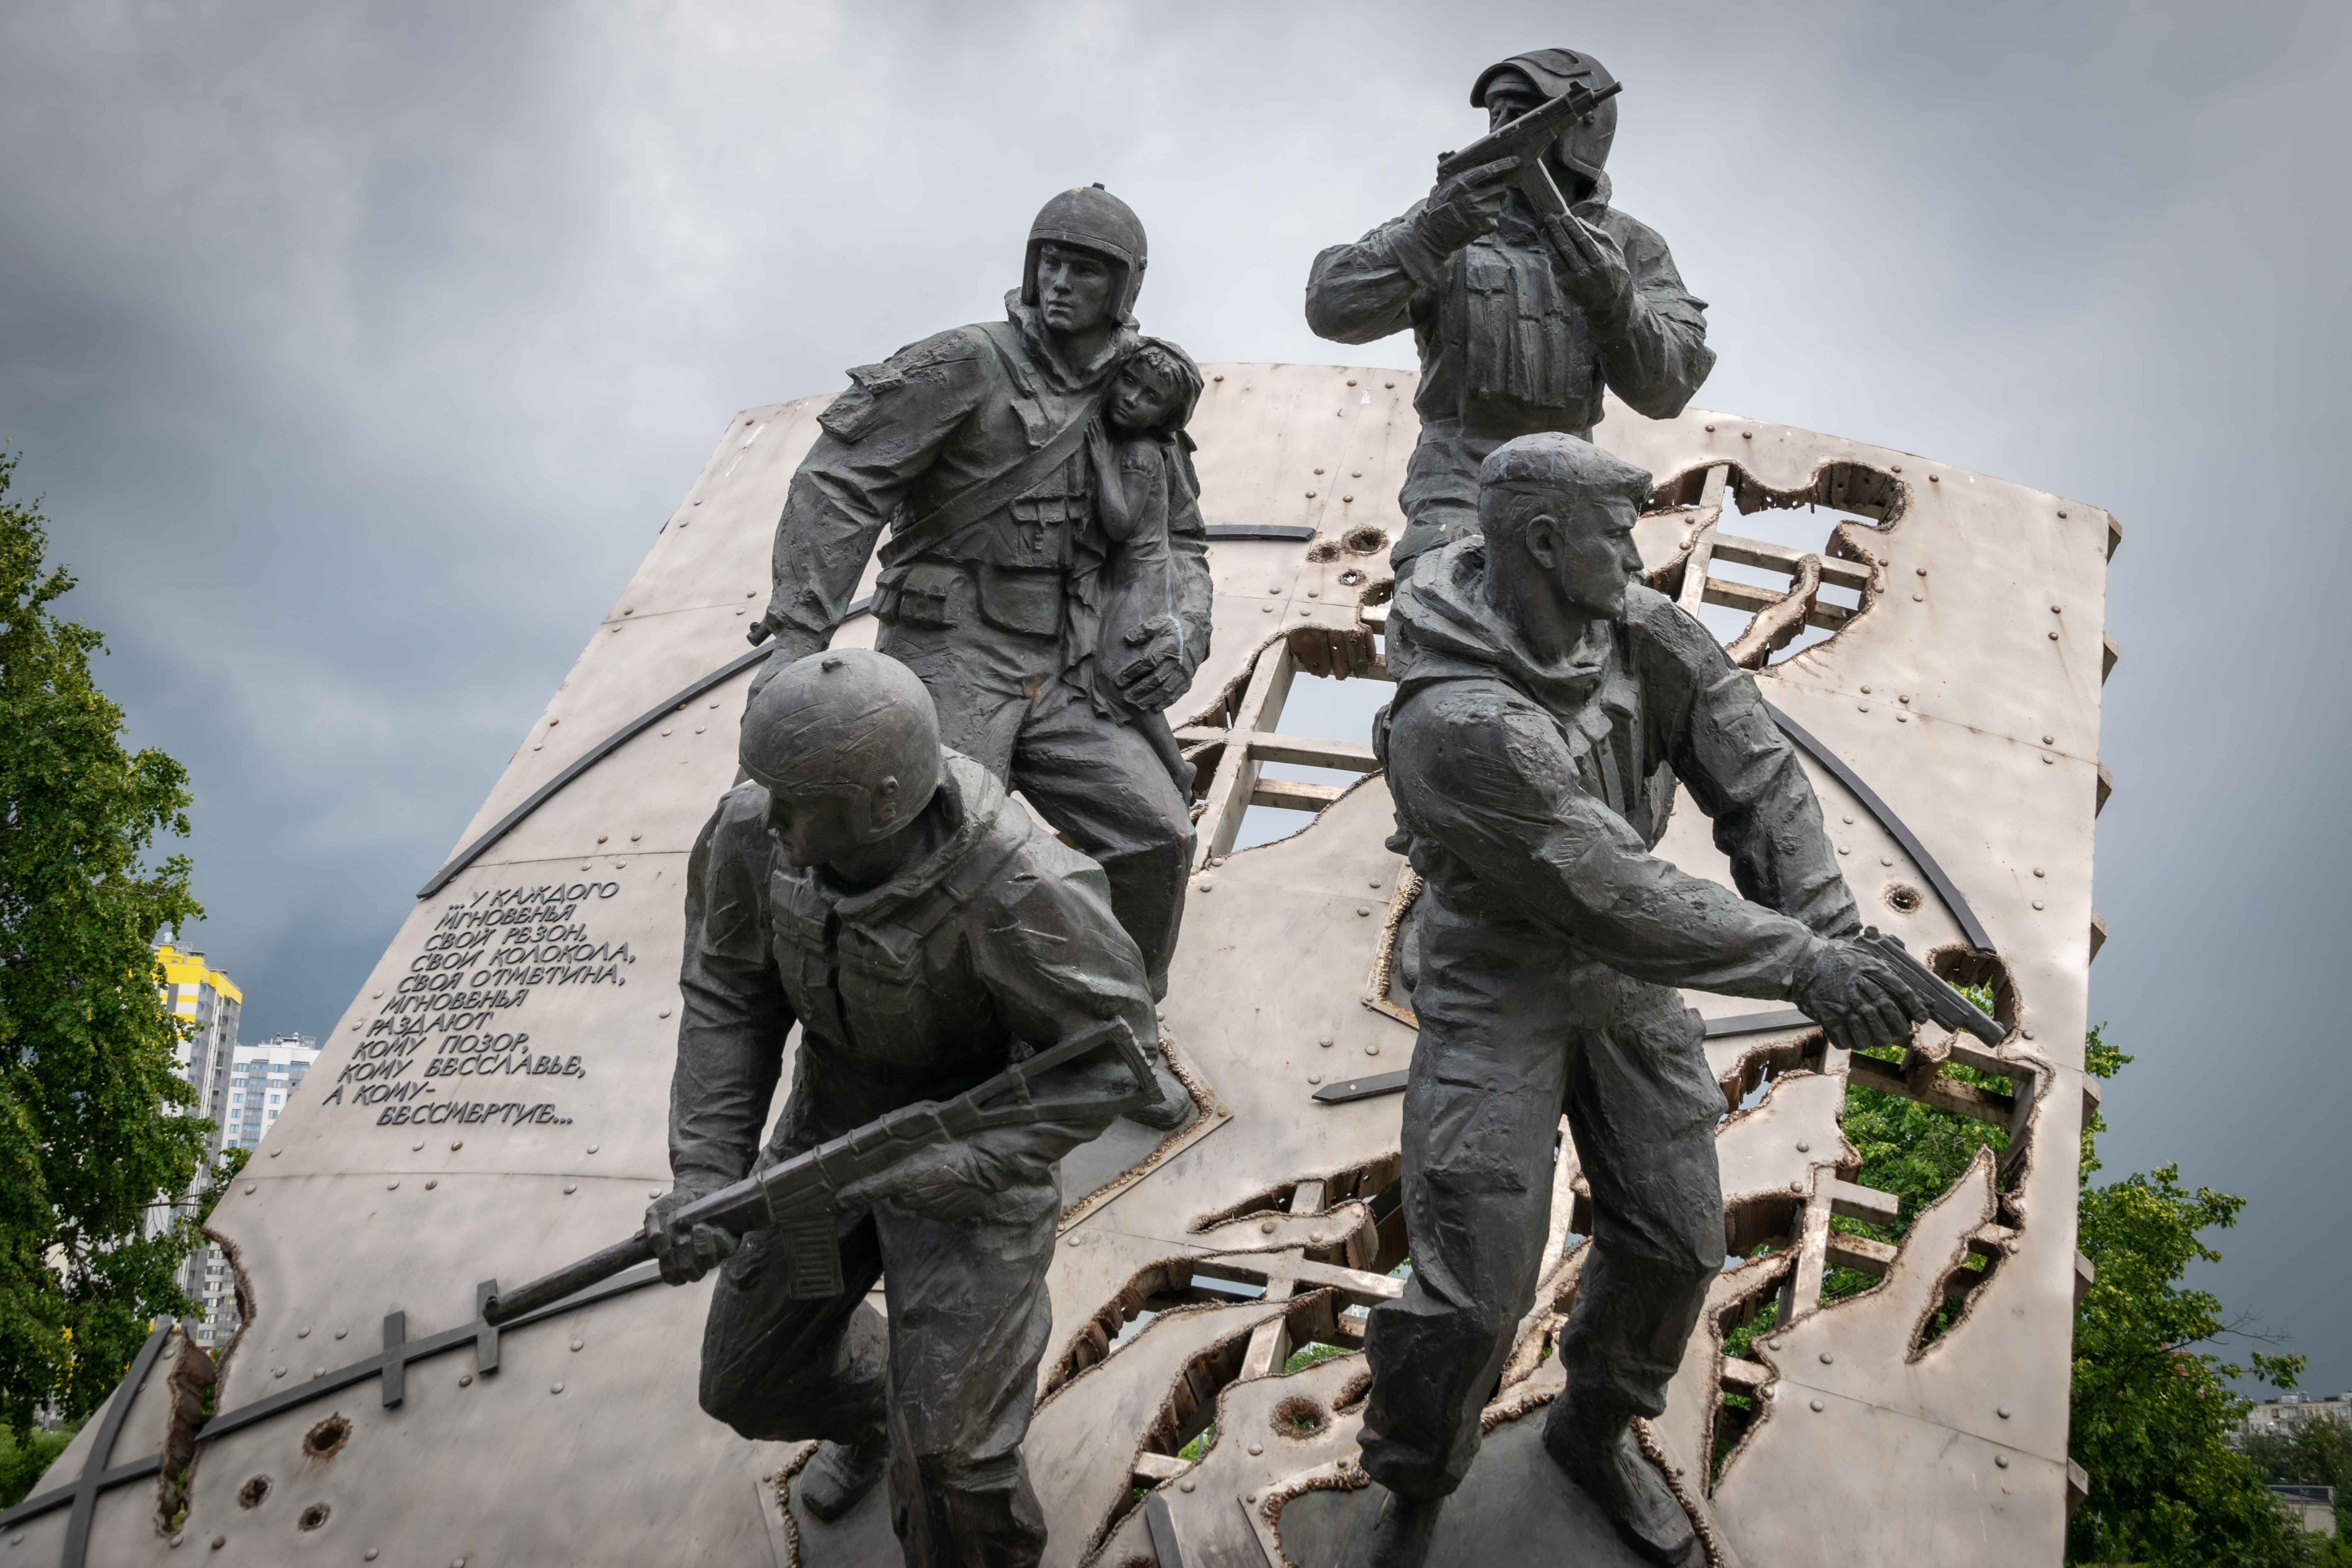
(882, 893)
(1520, 323)
(982, 449)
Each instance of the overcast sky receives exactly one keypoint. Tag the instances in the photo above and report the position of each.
(358, 352)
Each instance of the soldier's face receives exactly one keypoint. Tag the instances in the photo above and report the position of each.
(812, 829)
(1589, 554)
(1074, 287)
(1506, 104)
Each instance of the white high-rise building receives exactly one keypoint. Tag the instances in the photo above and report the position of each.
(254, 1092)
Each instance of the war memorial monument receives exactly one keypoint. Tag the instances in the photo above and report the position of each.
(846, 1099)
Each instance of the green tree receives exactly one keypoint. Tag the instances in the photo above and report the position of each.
(2316, 1452)
(93, 1117)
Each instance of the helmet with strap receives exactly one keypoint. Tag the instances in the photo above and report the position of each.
(847, 722)
(1090, 218)
(1583, 146)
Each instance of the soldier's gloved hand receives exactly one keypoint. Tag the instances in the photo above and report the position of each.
(1590, 267)
(685, 1252)
(1465, 206)
(1156, 676)
(1856, 997)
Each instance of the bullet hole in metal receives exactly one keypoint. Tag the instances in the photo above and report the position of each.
(1903, 898)
(1351, 577)
(1324, 550)
(312, 1517)
(1366, 541)
(251, 1494)
(1299, 1416)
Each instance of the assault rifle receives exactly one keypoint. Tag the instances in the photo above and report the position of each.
(1525, 139)
(800, 1196)
(1944, 1004)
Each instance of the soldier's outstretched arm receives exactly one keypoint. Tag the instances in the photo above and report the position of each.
(732, 1023)
(1740, 770)
(879, 439)
(1489, 778)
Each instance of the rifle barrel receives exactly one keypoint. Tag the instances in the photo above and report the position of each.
(549, 1288)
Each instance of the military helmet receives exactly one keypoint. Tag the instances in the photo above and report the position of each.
(851, 722)
(1090, 218)
(1583, 146)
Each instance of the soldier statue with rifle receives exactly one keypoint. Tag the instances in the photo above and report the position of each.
(884, 894)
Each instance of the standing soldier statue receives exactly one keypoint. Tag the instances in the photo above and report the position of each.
(886, 896)
(985, 450)
(1534, 749)
(1521, 316)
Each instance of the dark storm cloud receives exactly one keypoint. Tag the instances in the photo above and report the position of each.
(359, 351)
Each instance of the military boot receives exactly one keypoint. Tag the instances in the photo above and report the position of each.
(1598, 1454)
(841, 1475)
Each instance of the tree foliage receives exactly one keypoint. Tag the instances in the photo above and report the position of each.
(2316, 1452)
(93, 1123)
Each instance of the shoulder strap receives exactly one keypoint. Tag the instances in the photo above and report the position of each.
(984, 498)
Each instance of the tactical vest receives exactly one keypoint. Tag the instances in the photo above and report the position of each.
(1525, 354)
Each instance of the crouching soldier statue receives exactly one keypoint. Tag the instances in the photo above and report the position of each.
(883, 894)
(1533, 750)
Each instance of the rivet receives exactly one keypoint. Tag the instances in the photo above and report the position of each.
(1885, 861)
(2027, 1033)
(1318, 471)
(569, 1188)
(1771, 1344)
(1847, 820)
(1257, 1448)
(303, 1333)
(2040, 872)
(432, 1182)
(1363, 909)
(634, 837)
(1186, 1486)
(1862, 707)
(2050, 762)
(1710, 428)
(418, 1145)
(601, 837)
(1372, 1050)
(1845, 849)
(1748, 434)
(1204, 884)
(1375, 882)
(1933, 477)
(1323, 1040)
(2003, 1411)
(1797, 1188)
(2057, 610)
(1315, 1078)
(1921, 569)
(663, 1013)
(1828, 1357)
(1310, 495)
(1355, 473)
(1347, 497)
(1268, 609)
(580, 1345)
(2037, 903)
(340, 1332)
(1217, 378)
(2001, 1459)
(219, 1542)
(369, 1555)
(248, 1186)
(1249, 1497)
(2061, 514)
(592, 1148)
(1388, 383)
(1865, 691)
(554, 1388)
(2049, 740)
(275, 1152)
(1267, 1226)
(277, 1372)
(456, 1143)
(391, 1186)
(1351, 381)
(1902, 718)
(1803, 1147)
(1818, 1406)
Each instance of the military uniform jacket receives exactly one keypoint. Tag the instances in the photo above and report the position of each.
(1503, 351)
(1534, 792)
(935, 419)
(915, 990)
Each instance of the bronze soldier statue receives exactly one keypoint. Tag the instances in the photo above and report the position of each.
(985, 449)
(1521, 319)
(1533, 750)
(882, 893)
